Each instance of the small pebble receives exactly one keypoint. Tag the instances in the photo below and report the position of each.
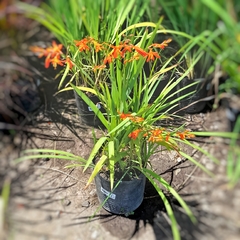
(66, 202)
(43, 238)
(47, 196)
(94, 235)
(210, 166)
(86, 204)
(58, 213)
(179, 159)
(17, 140)
(49, 218)
(177, 171)
(93, 192)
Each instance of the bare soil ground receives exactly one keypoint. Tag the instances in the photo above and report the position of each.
(48, 201)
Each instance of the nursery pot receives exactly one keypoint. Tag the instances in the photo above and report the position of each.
(125, 198)
(232, 108)
(201, 91)
(232, 115)
(26, 94)
(20, 97)
(87, 115)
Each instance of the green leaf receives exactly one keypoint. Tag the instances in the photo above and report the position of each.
(206, 153)
(111, 156)
(36, 156)
(196, 163)
(53, 151)
(85, 89)
(5, 195)
(149, 174)
(88, 101)
(172, 191)
(231, 135)
(97, 169)
(98, 145)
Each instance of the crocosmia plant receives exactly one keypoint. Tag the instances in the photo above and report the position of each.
(133, 142)
(88, 60)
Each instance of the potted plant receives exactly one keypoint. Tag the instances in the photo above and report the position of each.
(186, 17)
(19, 90)
(124, 155)
(225, 45)
(77, 24)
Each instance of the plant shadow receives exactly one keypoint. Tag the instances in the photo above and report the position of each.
(152, 213)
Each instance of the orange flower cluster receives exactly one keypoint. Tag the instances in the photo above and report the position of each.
(134, 134)
(185, 134)
(153, 135)
(131, 117)
(159, 135)
(161, 45)
(52, 54)
(119, 50)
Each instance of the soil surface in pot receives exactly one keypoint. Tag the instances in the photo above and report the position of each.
(119, 174)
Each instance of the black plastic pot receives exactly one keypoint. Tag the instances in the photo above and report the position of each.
(201, 89)
(232, 115)
(126, 198)
(232, 107)
(19, 98)
(27, 95)
(87, 115)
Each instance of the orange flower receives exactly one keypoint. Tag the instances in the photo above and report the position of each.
(82, 44)
(132, 118)
(153, 138)
(156, 132)
(185, 134)
(127, 47)
(167, 137)
(50, 52)
(135, 57)
(117, 50)
(152, 55)
(125, 115)
(134, 134)
(54, 50)
(69, 62)
(140, 51)
(98, 46)
(39, 51)
(95, 68)
(161, 45)
(108, 59)
(156, 135)
(137, 119)
(47, 61)
(54, 61)
(189, 135)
